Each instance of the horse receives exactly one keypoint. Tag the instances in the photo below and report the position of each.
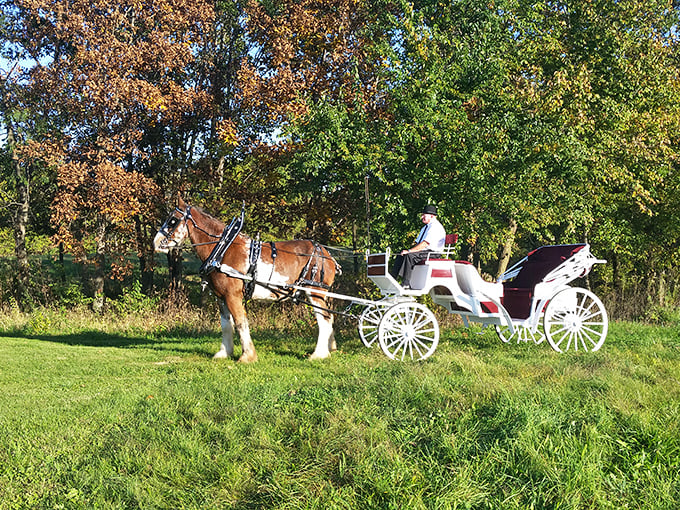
(278, 266)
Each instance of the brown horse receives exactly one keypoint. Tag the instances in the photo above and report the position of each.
(279, 266)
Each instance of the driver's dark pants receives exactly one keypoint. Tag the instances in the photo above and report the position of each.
(403, 265)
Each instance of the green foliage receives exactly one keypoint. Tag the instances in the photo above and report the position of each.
(561, 118)
(71, 296)
(134, 301)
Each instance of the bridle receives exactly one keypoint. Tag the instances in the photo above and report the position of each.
(171, 223)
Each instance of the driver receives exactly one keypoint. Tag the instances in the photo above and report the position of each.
(430, 240)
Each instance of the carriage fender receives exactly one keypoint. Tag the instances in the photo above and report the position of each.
(506, 320)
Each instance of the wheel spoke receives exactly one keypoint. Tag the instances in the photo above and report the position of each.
(577, 316)
(565, 335)
(418, 342)
(396, 338)
(369, 322)
(587, 314)
(408, 329)
(591, 335)
(413, 346)
(582, 338)
(559, 330)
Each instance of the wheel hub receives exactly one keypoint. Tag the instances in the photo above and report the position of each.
(408, 332)
(573, 322)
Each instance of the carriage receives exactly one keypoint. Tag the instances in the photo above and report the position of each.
(531, 301)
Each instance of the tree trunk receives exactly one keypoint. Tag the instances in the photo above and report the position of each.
(175, 269)
(99, 267)
(20, 222)
(506, 253)
(662, 289)
(146, 256)
(62, 264)
(354, 248)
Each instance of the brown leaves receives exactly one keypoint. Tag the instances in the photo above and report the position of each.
(114, 70)
(308, 49)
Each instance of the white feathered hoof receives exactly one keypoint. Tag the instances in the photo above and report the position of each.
(315, 355)
(221, 354)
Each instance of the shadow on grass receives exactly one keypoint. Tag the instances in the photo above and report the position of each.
(190, 340)
(177, 341)
(299, 344)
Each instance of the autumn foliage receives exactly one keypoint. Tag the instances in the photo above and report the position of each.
(527, 122)
(305, 51)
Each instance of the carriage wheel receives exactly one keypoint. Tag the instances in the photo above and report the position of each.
(575, 319)
(369, 321)
(522, 334)
(408, 330)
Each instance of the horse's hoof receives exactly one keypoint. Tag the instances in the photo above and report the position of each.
(316, 356)
(252, 358)
(221, 355)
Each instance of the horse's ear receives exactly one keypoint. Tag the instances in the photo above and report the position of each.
(181, 205)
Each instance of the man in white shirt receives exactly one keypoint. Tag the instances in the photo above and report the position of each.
(431, 239)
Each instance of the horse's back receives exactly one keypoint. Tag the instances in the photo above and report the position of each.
(304, 253)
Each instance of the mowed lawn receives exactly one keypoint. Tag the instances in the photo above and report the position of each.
(132, 412)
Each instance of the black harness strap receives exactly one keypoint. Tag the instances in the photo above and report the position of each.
(253, 257)
(228, 235)
(312, 270)
(272, 245)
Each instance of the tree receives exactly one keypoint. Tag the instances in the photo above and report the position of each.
(25, 185)
(309, 79)
(106, 72)
(603, 77)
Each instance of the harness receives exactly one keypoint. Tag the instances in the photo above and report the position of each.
(253, 257)
(312, 268)
(307, 277)
(228, 235)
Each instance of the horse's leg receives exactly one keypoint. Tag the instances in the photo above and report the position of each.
(326, 341)
(241, 321)
(332, 345)
(227, 323)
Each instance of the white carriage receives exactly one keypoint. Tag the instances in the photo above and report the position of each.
(532, 301)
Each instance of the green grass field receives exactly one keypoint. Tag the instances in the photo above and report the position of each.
(132, 412)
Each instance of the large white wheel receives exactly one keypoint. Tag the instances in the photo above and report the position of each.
(369, 320)
(408, 330)
(522, 333)
(575, 319)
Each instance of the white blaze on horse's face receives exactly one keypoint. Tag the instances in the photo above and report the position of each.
(171, 235)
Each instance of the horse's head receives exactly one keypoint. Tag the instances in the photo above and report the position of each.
(174, 231)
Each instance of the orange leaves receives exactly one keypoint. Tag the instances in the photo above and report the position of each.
(119, 193)
(227, 132)
(119, 74)
(105, 188)
(308, 49)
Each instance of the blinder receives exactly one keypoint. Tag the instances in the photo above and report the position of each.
(171, 223)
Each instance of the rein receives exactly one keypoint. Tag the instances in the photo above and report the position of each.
(187, 216)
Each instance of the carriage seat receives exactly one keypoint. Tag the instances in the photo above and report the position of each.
(519, 291)
(449, 244)
(424, 273)
(471, 283)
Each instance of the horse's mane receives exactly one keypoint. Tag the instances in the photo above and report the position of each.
(214, 222)
(209, 217)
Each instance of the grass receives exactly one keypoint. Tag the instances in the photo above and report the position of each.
(132, 412)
